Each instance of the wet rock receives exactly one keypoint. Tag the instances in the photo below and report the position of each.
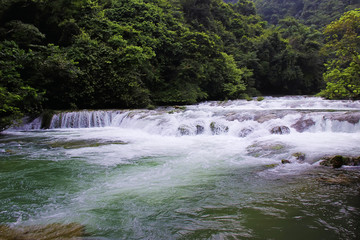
(217, 128)
(245, 132)
(264, 118)
(284, 161)
(350, 117)
(341, 179)
(199, 129)
(280, 130)
(303, 124)
(338, 161)
(55, 231)
(241, 117)
(299, 156)
(266, 149)
(184, 130)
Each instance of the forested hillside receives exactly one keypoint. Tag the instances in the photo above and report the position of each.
(75, 54)
(318, 13)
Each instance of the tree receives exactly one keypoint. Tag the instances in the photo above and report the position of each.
(17, 98)
(342, 74)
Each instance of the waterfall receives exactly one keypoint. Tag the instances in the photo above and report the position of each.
(240, 118)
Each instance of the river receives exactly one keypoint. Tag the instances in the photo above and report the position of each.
(206, 171)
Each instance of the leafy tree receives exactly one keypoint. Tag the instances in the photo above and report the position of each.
(342, 75)
(17, 98)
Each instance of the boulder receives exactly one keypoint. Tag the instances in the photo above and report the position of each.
(199, 129)
(245, 132)
(263, 118)
(217, 128)
(339, 161)
(303, 124)
(184, 130)
(350, 117)
(280, 130)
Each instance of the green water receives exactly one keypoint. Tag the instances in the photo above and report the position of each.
(196, 190)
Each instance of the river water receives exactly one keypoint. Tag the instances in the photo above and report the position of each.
(206, 171)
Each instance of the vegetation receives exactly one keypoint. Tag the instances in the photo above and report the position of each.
(140, 53)
(317, 13)
(342, 74)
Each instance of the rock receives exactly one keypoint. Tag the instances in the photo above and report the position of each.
(184, 130)
(266, 149)
(299, 156)
(245, 132)
(341, 179)
(217, 128)
(199, 129)
(284, 161)
(303, 124)
(338, 161)
(280, 130)
(264, 118)
(350, 117)
(54, 231)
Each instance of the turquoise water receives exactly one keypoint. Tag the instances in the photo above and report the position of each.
(128, 183)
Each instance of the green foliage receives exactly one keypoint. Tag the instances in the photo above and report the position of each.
(318, 13)
(16, 97)
(140, 53)
(343, 69)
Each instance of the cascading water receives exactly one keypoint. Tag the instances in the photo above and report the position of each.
(206, 171)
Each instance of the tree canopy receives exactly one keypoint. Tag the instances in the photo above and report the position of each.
(105, 54)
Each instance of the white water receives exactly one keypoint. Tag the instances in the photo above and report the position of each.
(181, 171)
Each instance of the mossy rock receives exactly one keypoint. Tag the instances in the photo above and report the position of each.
(338, 161)
(285, 161)
(217, 128)
(299, 156)
(46, 118)
(54, 231)
(184, 130)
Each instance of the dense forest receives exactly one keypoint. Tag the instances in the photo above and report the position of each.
(317, 13)
(76, 54)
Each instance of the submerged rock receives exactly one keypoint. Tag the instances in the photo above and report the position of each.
(199, 129)
(266, 149)
(217, 128)
(54, 231)
(184, 130)
(280, 130)
(245, 132)
(75, 144)
(303, 124)
(263, 118)
(350, 117)
(341, 179)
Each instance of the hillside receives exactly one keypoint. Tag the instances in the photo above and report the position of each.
(310, 12)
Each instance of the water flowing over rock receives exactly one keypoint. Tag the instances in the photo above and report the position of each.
(217, 128)
(245, 132)
(239, 118)
(303, 124)
(339, 161)
(280, 130)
